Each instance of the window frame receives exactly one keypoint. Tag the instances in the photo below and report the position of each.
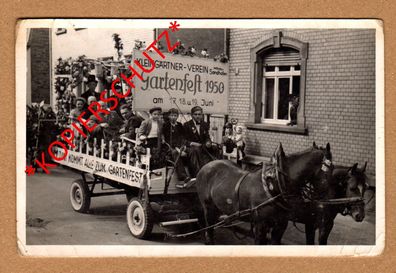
(276, 75)
(257, 54)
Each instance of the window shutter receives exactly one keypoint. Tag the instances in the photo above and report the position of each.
(282, 56)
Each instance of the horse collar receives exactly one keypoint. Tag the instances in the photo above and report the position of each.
(269, 177)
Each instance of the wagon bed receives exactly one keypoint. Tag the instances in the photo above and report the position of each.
(152, 195)
(122, 171)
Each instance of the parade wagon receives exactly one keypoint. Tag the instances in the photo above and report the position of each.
(152, 193)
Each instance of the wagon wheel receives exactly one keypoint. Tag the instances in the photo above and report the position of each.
(140, 218)
(80, 196)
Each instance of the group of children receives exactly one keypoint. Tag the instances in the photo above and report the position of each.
(188, 146)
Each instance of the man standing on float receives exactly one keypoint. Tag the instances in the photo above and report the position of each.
(91, 83)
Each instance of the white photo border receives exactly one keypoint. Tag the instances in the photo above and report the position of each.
(197, 251)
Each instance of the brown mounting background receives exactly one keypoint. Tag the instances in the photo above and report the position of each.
(11, 11)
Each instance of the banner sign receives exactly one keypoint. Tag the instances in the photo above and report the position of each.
(183, 81)
(119, 172)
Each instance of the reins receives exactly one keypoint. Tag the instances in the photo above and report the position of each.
(275, 172)
(342, 200)
(229, 219)
(339, 201)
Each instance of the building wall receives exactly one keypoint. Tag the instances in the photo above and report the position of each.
(340, 93)
(39, 65)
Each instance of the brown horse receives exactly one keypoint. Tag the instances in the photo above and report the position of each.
(223, 188)
(348, 182)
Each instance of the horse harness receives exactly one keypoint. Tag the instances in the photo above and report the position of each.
(270, 174)
(236, 191)
(343, 202)
(269, 177)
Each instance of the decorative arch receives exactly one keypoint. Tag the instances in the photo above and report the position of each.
(257, 54)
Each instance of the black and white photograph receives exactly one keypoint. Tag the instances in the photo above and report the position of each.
(178, 137)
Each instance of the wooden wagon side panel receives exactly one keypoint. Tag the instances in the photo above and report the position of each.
(123, 173)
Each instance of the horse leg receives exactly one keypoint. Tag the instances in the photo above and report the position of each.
(310, 233)
(210, 219)
(278, 231)
(324, 232)
(260, 231)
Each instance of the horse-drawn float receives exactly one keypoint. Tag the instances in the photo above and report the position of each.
(152, 193)
(264, 197)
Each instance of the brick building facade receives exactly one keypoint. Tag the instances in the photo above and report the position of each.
(337, 102)
(337, 84)
(38, 57)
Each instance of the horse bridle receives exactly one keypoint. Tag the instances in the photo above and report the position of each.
(347, 206)
(327, 165)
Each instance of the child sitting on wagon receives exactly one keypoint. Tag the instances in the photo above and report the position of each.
(174, 136)
(151, 131)
(129, 124)
(74, 114)
(98, 133)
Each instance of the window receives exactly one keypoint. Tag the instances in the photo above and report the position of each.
(278, 82)
(280, 85)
